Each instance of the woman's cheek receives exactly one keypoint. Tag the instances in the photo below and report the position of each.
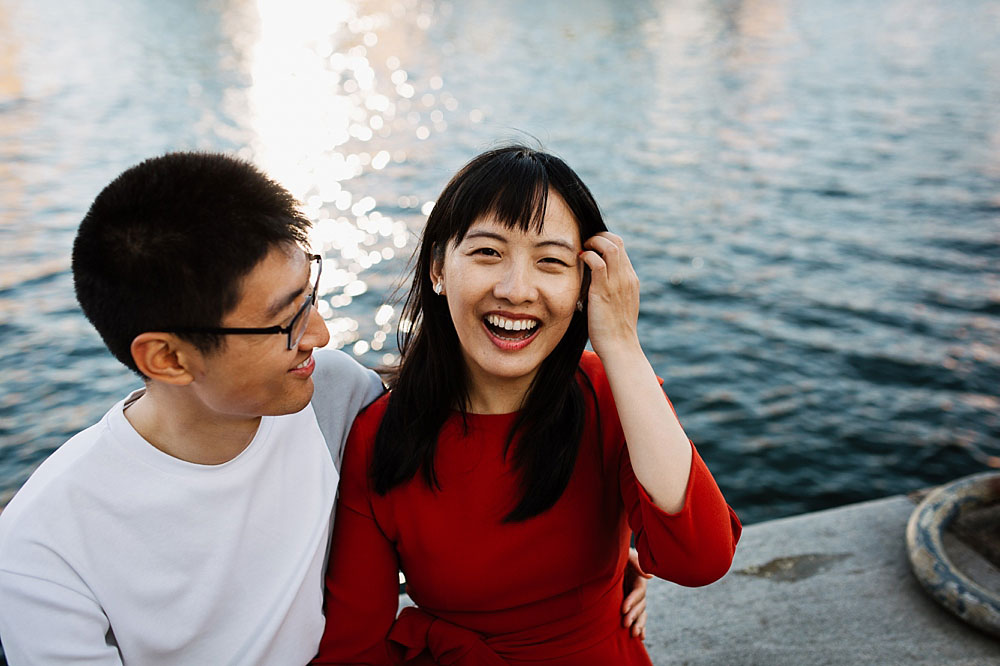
(565, 295)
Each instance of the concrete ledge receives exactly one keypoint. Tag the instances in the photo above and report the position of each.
(832, 587)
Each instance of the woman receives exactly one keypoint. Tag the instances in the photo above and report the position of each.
(496, 473)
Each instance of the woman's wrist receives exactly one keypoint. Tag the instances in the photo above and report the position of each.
(626, 353)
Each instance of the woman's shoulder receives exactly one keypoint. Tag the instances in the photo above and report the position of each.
(593, 369)
(590, 361)
(367, 422)
(594, 382)
(361, 441)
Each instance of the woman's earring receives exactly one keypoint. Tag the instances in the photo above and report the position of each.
(579, 305)
(438, 287)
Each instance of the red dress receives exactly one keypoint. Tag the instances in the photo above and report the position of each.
(547, 590)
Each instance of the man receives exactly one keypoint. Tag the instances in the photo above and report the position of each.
(191, 524)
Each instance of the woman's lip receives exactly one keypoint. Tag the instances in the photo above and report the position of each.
(305, 370)
(510, 345)
(513, 316)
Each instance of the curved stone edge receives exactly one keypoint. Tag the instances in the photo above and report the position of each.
(930, 563)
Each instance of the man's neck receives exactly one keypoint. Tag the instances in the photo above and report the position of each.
(186, 431)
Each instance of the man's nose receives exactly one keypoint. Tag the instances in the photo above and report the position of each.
(317, 334)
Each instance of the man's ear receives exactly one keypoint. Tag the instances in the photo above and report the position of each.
(165, 358)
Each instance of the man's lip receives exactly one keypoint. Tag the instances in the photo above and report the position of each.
(310, 362)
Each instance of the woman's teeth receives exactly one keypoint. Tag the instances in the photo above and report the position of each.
(510, 329)
(511, 324)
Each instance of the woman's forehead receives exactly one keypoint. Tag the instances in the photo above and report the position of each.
(558, 223)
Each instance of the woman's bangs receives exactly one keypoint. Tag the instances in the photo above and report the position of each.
(512, 191)
(521, 203)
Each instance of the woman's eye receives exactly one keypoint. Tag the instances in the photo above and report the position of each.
(486, 252)
(554, 260)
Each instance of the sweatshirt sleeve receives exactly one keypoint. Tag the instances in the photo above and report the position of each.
(362, 581)
(45, 622)
(343, 387)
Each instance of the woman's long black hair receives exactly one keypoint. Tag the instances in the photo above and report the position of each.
(509, 185)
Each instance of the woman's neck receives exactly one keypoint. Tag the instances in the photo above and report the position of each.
(492, 395)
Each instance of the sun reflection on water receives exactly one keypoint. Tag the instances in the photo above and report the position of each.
(330, 63)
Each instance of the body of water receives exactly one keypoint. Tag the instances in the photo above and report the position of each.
(809, 189)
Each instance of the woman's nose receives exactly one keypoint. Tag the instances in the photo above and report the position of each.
(515, 286)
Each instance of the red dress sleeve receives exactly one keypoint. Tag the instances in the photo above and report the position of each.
(692, 547)
(362, 580)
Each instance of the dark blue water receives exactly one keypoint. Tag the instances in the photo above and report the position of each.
(810, 191)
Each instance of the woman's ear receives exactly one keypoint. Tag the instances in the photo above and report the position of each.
(585, 284)
(164, 357)
(437, 270)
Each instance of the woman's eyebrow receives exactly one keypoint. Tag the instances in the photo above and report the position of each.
(485, 234)
(499, 237)
(556, 241)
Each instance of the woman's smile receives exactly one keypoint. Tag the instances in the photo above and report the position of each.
(511, 332)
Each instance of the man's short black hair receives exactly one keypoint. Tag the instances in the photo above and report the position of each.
(167, 243)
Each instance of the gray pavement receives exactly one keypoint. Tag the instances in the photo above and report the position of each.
(832, 587)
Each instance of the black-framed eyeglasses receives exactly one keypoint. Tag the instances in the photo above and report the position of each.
(296, 327)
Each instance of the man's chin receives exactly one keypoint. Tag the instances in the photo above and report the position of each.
(303, 395)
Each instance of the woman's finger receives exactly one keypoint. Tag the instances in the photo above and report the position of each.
(636, 612)
(633, 558)
(636, 598)
(637, 625)
(621, 276)
(635, 602)
(614, 238)
(625, 262)
(598, 269)
(609, 251)
(634, 621)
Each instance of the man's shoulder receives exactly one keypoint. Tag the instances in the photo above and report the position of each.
(48, 493)
(339, 378)
(342, 388)
(337, 368)
(334, 361)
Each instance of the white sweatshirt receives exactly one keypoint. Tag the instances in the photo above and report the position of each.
(115, 552)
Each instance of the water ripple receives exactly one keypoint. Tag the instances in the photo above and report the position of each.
(808, 191)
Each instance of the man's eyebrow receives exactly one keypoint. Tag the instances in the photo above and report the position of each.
(279, 306)
(499, 237)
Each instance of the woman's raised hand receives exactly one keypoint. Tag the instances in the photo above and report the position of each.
(658, 448)
(613, 296)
